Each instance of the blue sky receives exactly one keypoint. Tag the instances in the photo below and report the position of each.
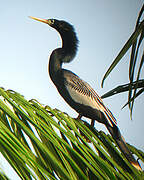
(102, 27)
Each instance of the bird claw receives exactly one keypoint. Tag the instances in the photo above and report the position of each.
(92, 122)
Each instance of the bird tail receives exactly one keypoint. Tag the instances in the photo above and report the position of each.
(115, 132)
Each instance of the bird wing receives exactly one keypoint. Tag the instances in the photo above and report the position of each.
(82, 93)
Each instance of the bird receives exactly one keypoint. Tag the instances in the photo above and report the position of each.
(75, 91)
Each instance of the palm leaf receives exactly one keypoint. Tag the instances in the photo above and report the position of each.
(124, 88)
(136, 42)
(124, 50)
(42, 143)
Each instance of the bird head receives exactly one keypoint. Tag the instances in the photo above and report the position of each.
(68, 35)
(59, 25)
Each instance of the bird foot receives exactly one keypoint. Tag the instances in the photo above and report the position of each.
(92, 123)
(79, 117)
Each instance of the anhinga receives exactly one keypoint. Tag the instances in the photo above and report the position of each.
(76, 92)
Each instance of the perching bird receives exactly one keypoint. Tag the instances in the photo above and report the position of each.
(76, 92)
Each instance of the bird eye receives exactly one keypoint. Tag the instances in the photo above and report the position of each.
(52, 21)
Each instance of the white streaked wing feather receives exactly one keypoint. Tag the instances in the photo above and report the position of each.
(82, 93)
(83, 99)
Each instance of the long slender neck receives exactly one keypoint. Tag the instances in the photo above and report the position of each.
(69, 45)
(64, 54)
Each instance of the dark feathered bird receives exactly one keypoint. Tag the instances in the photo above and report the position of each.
(76, 92)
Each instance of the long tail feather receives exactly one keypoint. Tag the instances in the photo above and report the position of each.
(115, 132)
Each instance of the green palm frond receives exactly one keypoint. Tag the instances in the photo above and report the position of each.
(124, 88)
(3, 175)
(44, 143)
(136, 62)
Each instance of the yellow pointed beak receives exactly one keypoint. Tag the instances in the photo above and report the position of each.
(47, 21)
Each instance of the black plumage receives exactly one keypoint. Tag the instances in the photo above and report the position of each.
(76, 92)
